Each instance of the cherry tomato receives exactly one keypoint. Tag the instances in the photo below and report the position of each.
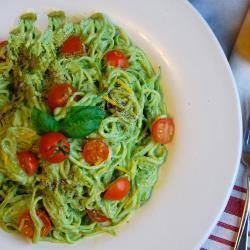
(54, 147)
(116, 59)
(28, 162)
(163, 130)
(95, 152)
(47, 224)
(118, 189)
(4, 53)
(3, 43)
(72, 46)
(26, 224)
(96, 216)
(59, 95)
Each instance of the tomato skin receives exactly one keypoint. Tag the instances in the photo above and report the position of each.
(117, 190)
(116, 59)
(28, 162)
(54, 147)
(59, 95)
(47, 224)
(27, 227)
(72, 46)
(95, 152)
(162, 130)
(4, 53)
(3, 43)
(96, 216)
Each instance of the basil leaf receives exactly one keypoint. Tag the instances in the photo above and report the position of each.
(43, 122)
(81, 121)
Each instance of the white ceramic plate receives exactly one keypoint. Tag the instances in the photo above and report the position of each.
(194, 186)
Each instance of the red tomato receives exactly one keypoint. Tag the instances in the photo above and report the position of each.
(118, 189)
(3, 43)
(96, 216)
(95, 152)
(26, 225)
(116, 59)
(28, 162)
(54, 147)
(59, 95)
(163, 130)
(72, 46)
(4, 56)
(47, 224)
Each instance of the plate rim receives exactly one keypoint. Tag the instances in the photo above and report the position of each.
(239, 120)
(240, 123)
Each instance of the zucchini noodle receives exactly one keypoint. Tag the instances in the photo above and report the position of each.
(132, 98)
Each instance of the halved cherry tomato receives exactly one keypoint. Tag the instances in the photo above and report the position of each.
(96, 216)
(47, 224)
(117, 190)
(28, 162)
(54, 147)
(26, 224)
(3, 43)
(72, 46)
(95, 151)
(163, 130)
(116, 59)
(59, 95)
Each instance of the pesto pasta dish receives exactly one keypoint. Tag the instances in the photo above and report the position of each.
(83, 128)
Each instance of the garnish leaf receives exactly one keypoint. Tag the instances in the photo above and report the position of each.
(43, 122)
(81, 121)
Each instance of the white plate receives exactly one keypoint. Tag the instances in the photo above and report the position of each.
(195, 184)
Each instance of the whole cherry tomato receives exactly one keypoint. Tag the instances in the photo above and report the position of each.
(54, 147)
(28, 162)
(117, 190)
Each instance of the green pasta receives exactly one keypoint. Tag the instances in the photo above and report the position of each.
(131, 98)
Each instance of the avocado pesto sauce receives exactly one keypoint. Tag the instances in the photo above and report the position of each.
(114, 106)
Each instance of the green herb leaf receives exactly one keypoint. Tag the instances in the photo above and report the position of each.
(81, 121)
(43, 122)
